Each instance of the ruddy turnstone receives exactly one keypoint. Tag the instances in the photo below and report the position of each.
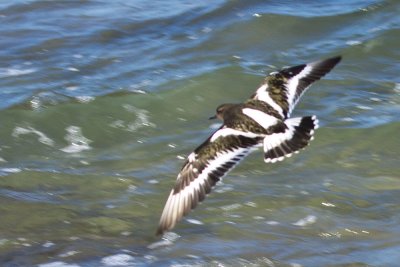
(262, 120)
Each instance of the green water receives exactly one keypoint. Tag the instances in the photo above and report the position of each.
(96, 122)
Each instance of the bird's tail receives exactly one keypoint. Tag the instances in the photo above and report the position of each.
(298, 135)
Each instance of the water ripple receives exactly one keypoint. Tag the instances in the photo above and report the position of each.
(101, 102)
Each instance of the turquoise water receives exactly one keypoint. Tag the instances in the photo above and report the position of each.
(102, 100)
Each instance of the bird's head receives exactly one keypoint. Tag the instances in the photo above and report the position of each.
(221, 111)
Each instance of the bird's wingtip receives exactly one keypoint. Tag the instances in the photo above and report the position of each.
(337, 58)
(333, 61)
(159, 232)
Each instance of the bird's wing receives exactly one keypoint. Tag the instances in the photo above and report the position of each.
(283, 138)
(203, 169)
(282, 90)
(297, 135)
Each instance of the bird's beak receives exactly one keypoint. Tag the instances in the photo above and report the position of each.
(213, 117)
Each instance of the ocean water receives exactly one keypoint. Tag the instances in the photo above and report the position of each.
(100, 102)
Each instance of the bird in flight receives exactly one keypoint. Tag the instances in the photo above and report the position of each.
(262, 120)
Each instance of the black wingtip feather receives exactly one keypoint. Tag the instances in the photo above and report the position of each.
(302, 135)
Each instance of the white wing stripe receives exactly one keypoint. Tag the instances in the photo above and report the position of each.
(177, 203)
(230, 131)
(167, 207)
(212, 166)
(263, 95)
(293, 84)
(262, 118)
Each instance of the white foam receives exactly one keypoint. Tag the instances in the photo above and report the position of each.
(140, 84)
(353, 42)
(35, 102)
(71, 88)
(42, 138)
(351, 231)
(10, 72)
(118, 260)
(68, 254)
(85, 98)
(251, 204)
(117, 124)
(138, 91)
(310, 219)
(193, 221)
(77, 141)
(58, 264)
(363, 107)
(375, 99)
(131, 188)
(167, 240)
(231, 207)
(142, 119)
(222, 188)
(48, 244)
(397, 87)
(162, 243)
(171, 236)
(72, 69)
(328, 204)
(11, 170)
(347, 119)
(206, 29)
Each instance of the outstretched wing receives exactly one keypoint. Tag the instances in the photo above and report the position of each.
(283, 89)
(298, 134)
(203, 169)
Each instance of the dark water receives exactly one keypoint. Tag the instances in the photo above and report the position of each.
(102, 100)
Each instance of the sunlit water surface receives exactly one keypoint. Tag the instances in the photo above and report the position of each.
(102, 100)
